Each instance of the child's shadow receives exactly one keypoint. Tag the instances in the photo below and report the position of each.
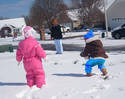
(12, 84)
(71, 75)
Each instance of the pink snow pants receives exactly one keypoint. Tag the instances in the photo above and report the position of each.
(35, 75)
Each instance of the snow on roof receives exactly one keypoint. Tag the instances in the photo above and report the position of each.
(16, 22)
(73, 14)
(108, 3)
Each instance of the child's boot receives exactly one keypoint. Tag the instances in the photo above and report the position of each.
(89, 74)
(104, 72)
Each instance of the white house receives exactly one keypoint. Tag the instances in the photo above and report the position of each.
(74, 16)
(115, 13)
(10, 26)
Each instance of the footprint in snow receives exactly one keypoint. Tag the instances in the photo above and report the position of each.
(56, 63)
(121, 89)
(97, 88)
(122, 61)
(76, 61)
(115, 76)
(95, 97)
(65, 94)
(93, 90)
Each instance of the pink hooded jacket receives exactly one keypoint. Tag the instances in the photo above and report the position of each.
(30, 50)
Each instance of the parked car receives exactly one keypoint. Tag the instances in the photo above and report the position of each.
(119, 27)
(98, 29)
(5, 32)
(65, 29)
(118, 32)
(47, 30)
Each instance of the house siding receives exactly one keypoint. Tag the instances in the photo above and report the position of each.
(116, 14)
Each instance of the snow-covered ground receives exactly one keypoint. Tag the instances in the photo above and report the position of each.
(65, 76)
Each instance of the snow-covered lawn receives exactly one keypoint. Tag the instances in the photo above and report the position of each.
(65, 78)
(80, 41)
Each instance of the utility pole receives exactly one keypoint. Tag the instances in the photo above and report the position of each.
(106, 21)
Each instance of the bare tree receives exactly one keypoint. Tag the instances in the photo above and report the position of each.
(75, 4)
(27, 20)
(44, 11)
(89, 12)
(36, 14)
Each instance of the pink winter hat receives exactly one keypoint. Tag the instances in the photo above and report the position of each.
(28, 31)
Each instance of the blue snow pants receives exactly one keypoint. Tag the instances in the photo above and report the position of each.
(93, 62)
(58, 45)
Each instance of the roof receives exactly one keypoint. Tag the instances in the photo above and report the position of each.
(109, 3)
(73, 14)
(16, 22)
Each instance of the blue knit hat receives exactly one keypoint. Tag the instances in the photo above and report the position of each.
(89, 35)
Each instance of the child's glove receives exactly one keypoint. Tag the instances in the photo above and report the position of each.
(86, 58)
(45, 59)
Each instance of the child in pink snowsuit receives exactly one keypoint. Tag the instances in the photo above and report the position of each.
(31, 52)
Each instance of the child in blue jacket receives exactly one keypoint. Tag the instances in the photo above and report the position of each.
(95, 54)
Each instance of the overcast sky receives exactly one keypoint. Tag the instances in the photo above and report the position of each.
(16, 8)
